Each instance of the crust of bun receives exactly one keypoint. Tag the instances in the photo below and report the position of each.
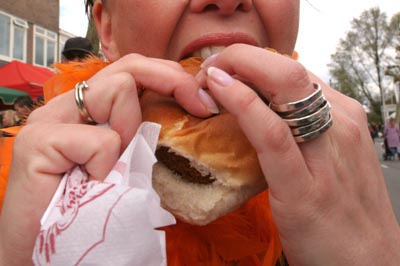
(195, 203)
(216, 145)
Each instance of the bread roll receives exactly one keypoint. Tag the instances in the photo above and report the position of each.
(206, 167)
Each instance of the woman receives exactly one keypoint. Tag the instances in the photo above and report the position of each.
(392, 137)
(9, 118)
(328, 199)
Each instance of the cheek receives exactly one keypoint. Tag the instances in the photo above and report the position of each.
(146, 27)
(281, 20)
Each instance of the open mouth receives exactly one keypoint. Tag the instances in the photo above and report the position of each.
(206, 52)
(209, 44)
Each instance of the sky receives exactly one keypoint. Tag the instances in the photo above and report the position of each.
(322, 24)
(325, 22)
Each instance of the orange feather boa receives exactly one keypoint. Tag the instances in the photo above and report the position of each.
(245, 237)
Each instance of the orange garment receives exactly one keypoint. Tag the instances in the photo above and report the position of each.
(6, 144)
(245, 237)
(69, 75)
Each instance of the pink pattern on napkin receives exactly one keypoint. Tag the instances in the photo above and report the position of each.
(76, 189)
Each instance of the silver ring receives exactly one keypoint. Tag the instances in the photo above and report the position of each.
(307, 110)
(79, 88)
(308, 119)
(296, 131)
(294, 106)
(315, 133)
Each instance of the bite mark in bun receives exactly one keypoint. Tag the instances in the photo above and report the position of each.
(206, 167)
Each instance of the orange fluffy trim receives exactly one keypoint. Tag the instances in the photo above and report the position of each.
(70, 74)
(6, 144)
(246, 237)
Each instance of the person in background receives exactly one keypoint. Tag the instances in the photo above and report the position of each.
(76, 49)
(9, 118)
(392, 136)
(39, 101)
(23, 107)
(374, 130)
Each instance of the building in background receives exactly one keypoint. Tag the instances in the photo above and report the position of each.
(29, 32)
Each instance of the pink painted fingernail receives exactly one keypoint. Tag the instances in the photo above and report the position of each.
(208, 101)
(220, 77)
(209, 60)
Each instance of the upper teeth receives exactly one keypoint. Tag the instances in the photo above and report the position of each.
(208, 51)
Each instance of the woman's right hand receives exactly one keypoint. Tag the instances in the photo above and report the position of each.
(56, 138)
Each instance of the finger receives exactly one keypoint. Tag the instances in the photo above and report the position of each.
(167, 79)
(66, 145)
(169, 63)
(120, 109)
(279, 155)
(112, 95)
(37, 169)
(280, 78)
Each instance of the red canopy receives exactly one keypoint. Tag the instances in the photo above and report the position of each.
(24, 77)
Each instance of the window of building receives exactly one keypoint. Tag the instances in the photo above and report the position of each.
(13, 37)
(45, 43)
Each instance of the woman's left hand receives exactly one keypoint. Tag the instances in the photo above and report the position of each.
(328, 195)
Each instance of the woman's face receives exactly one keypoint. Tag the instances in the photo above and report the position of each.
(175, 29)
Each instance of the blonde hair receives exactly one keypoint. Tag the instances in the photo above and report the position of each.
(10, 118)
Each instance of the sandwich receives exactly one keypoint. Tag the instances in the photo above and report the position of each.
(206, 167)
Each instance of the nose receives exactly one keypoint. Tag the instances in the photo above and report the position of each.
(223, 7)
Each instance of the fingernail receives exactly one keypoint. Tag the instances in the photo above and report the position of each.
(220, 77)
(209, 60)
(208, 101)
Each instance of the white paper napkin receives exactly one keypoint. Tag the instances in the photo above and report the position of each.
(111, 222)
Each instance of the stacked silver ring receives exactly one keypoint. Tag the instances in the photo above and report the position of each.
(307, 118)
